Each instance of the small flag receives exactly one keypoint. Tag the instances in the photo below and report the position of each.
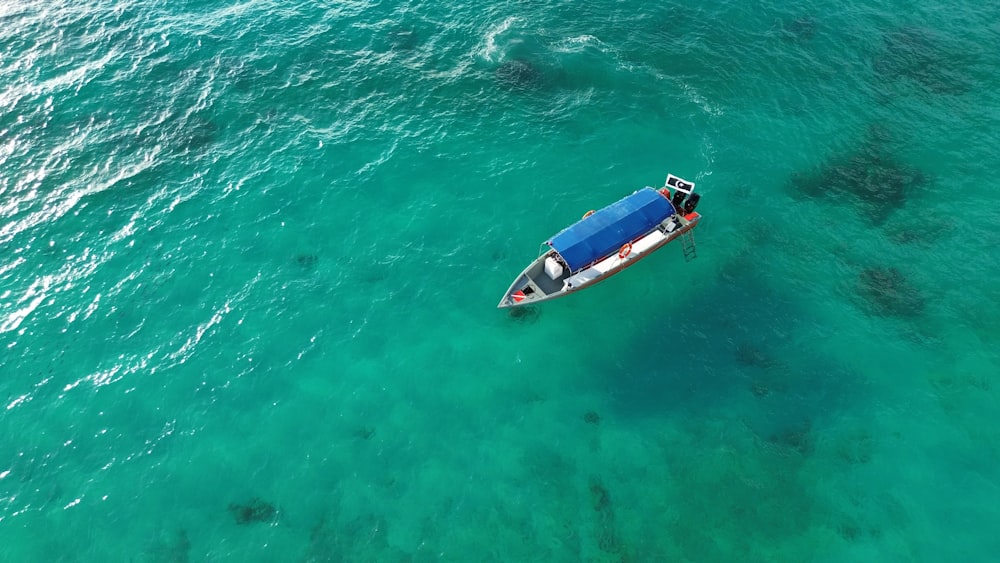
(680, 183)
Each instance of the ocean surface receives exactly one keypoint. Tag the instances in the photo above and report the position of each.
(250, 256)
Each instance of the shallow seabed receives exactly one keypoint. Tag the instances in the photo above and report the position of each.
(250, 256)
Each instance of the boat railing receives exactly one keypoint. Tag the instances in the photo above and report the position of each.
(619, 249)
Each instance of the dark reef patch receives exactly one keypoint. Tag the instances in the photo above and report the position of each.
(607, 534)
(498, 254)
(525, 314)
(749, 355)
(547, 464)
(887, 292)
(802, 28)
(237, 73)
(870, 177)
(403, 39)
(856, 447)
(920, 233)
(591, 417)
(599, 496)
(307, 261)
(918, 54)
(518, 74)
(797, 438)
(760, 389)
(171, 547)
(363, 538)
(852, 530)
(196, 134)
(254, 511)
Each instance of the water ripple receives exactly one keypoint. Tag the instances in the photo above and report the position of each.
(291, 222)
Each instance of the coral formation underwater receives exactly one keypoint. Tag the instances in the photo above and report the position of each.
(607, 535)
(888, 292)
(518, 74)
(802, 28)
(870, 177)
(525, 314)
(748, 355)
(918, 55)
(307, 261)
(254, 511)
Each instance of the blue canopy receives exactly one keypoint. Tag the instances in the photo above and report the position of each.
(595, 237)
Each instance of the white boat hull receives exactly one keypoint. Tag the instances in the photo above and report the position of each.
(533, 285)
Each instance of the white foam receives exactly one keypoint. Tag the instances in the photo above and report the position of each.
(581, 43)
(489, 49)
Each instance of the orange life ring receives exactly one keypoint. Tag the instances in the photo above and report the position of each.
(625, 250)
(588, 214)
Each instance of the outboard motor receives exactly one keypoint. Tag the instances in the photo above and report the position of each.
(678, 198)
(691, 203)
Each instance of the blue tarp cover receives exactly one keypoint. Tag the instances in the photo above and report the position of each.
(607, 230)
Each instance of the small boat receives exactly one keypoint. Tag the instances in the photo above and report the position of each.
(606, 241)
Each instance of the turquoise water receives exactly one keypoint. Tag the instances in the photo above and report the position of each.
(250, 256)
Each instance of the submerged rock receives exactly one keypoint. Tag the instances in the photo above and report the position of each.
(599, 496)
(749, 355)
(256, 510)
(174, 547)
(797, 437)
(920, 233)
(759, 389)
(800, 29)
(307, 261)
(525, 314)
(887, 292)
(870, 177)
(917, 54)
(196, 134)
(403, 39)
(606, 529)
(518, 74)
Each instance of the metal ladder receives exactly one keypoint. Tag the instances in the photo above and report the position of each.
(687, 243)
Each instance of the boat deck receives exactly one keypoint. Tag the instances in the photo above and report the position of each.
(546, 284)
